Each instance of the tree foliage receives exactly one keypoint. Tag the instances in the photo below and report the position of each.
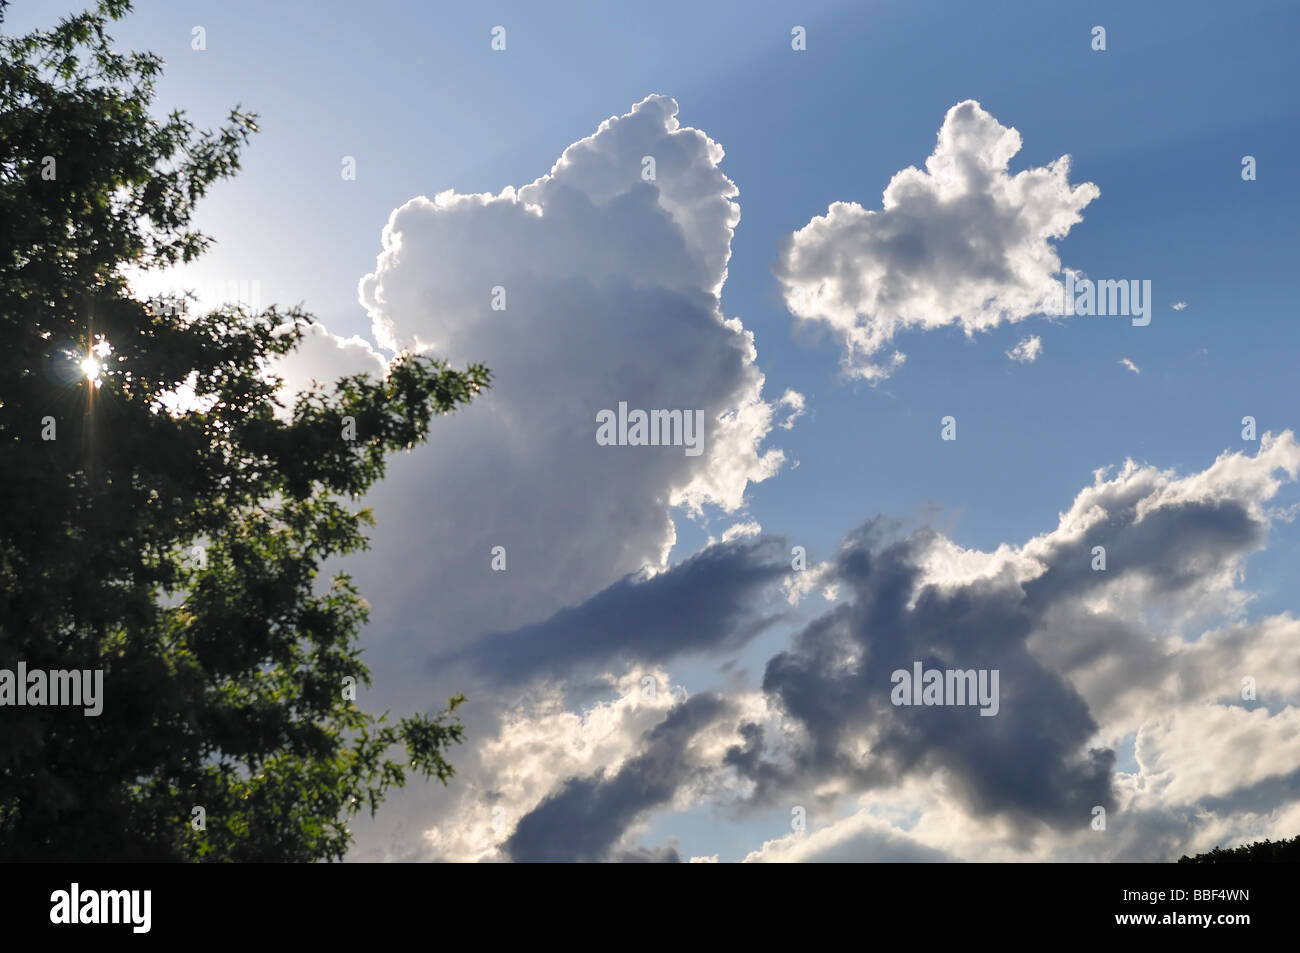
(174, 547)
(1263, 851)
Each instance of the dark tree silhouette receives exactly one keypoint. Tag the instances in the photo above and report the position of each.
(228, 731)
(1263, 851)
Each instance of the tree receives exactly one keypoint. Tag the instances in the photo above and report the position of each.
(174, 548)
(1263, 851)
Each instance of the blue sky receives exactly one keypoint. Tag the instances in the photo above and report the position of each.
(1159, 122)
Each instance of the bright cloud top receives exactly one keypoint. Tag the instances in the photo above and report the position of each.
(595, 285)
(963, 242)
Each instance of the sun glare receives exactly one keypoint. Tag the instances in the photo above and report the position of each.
(92, 365)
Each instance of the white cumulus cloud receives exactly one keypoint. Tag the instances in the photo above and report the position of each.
(590, 286)
(961, 242)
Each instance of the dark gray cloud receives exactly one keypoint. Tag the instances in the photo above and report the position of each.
(1171, 547)
(1031, 763)
(1028, 760)
(1031, 760)
(717, 600)
(1173, 551)
(1262, 796)
(586, 819)
(648, 855)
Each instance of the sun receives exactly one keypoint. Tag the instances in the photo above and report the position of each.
(92, 365)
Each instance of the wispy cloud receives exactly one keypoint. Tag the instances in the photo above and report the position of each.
(1027, 351)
